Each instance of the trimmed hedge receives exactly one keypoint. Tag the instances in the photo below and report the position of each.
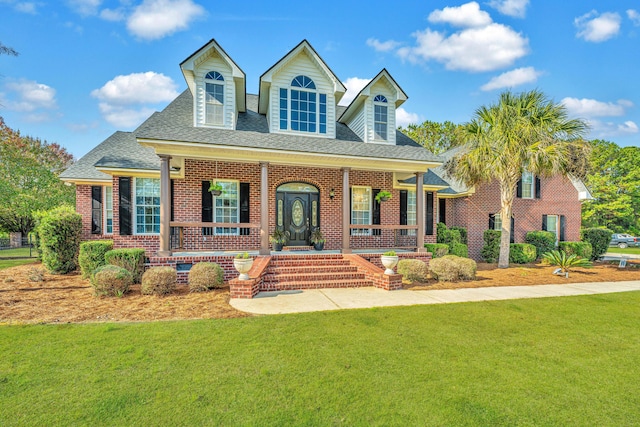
(491, 249)
(459, 249)
(91, 255)
(599, 239)
(522, 253)
(451, 268)
(453, 238)
(437, 249)
(130, 259)
(413, 270)
(463, 233)
(204, 276)
(59, 232)
(581, 249)
(159, 281)
(111, 280)
(544, 241)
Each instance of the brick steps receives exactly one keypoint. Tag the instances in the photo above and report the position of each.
(288, 286)
(310, 269)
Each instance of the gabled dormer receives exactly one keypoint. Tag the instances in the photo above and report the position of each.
(218, 87)
(372, 113)
(299, 94)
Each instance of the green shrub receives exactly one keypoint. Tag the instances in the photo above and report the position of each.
(459, 249)
(599, 239)
(581, 249)
(544, 241)
(451, 268)
(491, 249)
(413, 270)
(441, 230)
(130, 259)
(59, 231)
(91, 255)
(463, 233)
(437, 249)
(522, 253)
(159, 281)
(204, 276)
(111, 280)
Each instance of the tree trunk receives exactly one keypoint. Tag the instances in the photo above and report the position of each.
(506, 200)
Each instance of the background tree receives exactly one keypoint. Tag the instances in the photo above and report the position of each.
(29, 170)
(521, 132)
(434, 136)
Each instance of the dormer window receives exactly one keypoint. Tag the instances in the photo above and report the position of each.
(380, 113)
(214, 101)
(302, 108)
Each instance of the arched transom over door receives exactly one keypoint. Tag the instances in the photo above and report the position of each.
(297, 211)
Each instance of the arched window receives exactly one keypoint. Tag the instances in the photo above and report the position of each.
(214, 98)
(307, 110)
(380, 119)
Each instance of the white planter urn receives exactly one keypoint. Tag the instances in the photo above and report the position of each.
(389, 262)
(243, 265)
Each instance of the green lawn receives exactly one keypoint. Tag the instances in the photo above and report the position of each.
(631, 251)
(554, 361)
(20, 252)
(6, 263)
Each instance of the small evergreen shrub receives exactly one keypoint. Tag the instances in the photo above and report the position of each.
(544, 241)
(59, 231)
(463, 233)
(491, 249)
(581, 249)
(130, 259)
(522, 253)
(91, 255)
(451, 268)
(441, 229)
(413, 270)
(459, 249)
(159, 281)
(437, 249)
(599, 239)
(204, 276)
(111, 280)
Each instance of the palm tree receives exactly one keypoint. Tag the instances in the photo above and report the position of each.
(521, 132)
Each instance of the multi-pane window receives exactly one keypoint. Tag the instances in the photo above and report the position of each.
(226, 206)
(497, 222)
(303, 109)
(380, 117)
(214, 98)
(361, 209)
(147, 191)
(411, 211)
(553, 225)
(108, 210)
(527, 185)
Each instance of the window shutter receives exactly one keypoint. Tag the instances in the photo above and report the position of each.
(403, 211)
(442, 208)
(429, 214)
(171, 216)
(563, 223)
(512, 234)
(544, 223)
(375, 215)
(244, 207)
(492, 221)
(350, 209)
(125, 210)
(519, 189)
(96, 209)
(207, 203)
(537, 194)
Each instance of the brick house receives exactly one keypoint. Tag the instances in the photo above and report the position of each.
(288, 158)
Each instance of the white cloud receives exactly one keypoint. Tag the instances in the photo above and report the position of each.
(26, 7)
(515, 8)
(600, 129)
(405, 118)
(85, 7)
(382, 46)
(122, 117)
(512, 78)
(29, 96)
(594, 28)
(634, 16)
(113, 15)
(354, 85)
(592, 108)
(155, 19)
(467, 15)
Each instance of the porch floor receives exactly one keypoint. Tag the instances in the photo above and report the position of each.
(285, 253)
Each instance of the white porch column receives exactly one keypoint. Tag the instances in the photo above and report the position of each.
(346, 212)
(165, 206)
(264, 209)
(420, 211)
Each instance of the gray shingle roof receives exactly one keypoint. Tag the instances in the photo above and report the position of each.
(430, 179)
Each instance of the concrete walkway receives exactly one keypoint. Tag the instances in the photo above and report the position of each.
(282, 302)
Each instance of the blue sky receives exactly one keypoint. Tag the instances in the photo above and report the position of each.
(90, 67)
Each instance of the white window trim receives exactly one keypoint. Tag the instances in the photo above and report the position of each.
(288, 130)
(533, 185)
(497, 221)
(135, 210)
(557, 230)
(365, 232)
(213, 206)
(104, 213)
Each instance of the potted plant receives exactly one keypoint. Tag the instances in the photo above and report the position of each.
(383, 196)
(278, 239)
(317, 238)
(242, 263)
(215, 188)
(389, 259)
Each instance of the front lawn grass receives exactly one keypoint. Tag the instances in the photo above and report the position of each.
(6, 263)
(551, 361)
(18, 252)
(629, 251)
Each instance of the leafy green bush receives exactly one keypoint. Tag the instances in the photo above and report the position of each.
(459, 249)
(450, 268)
(111, 280)
(581, 249)
(599, 239)
(159, 281)
(463, 233)
(413, 270)
(522, 253)
(491, 249)
(437, 249)
(441, 229)
(544, 241)
(130, 259)
(204, 276)
(92, 255)
(59, 231)
(564, 261)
